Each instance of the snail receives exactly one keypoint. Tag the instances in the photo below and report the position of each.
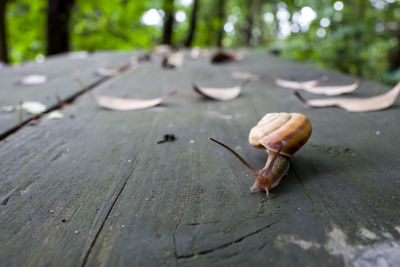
(282, 134)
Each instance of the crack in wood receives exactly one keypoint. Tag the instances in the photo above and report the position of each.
(5, 201)
(184, 208)
(233, 242)
(114, 198)
(306, 191)
(111, 203)
(302, 184)
(69, 99)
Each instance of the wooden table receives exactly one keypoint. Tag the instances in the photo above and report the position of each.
(93, 188)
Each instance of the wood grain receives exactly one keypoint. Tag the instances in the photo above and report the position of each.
(61, 86)
(94, 188)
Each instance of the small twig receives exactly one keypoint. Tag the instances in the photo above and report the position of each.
(190, 94)
(245, 82)
(301, 98)
(58, 98)
(84, 86)
(323, 79)
(124, 67)
(20, 114)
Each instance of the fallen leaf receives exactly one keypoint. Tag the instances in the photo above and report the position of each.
(7, 108)
(33, 79)
(221, 94)
(116, 103)
(195, 53)
(55, 115)
(312, 86)
(79, 55)
(174, 60)
(357, 104)
(333, 90)
(33, 122)
(161, 49)
(297, 85)
(144, 57)
(109, 72)
(33, 107)
(245, 76)
(222, 57)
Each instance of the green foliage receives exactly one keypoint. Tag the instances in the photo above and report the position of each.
(361, 39)
(26, 29)
(110, 24)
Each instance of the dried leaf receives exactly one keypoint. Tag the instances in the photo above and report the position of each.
(33, 107)
(195, 53)
(221, 94)
(312, 86)
(161, 49)
(56, 114)
(7, 108)
(109, 72)
(33, 122)
(333, 90)
(174, 60)
(245, 76)
(33, 79)
(144, 57)
(358, 104)
(79, 55)
(297, 85)
(223, 57)
(116, 103)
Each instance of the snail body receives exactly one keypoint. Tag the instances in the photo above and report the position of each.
(282, 135)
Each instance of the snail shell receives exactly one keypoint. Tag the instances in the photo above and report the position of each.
(293, 128)
(282, 134)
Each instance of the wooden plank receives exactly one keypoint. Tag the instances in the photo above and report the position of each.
(60, 86)
(187, 202)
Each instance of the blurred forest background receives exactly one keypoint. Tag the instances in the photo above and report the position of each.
(359, 37)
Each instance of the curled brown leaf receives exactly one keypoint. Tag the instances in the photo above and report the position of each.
(117, 103)
(375, 103)
(223, 57)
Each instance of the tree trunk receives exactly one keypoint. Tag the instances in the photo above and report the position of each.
(394, 55)
(251, 16)
(3, 35)
(168, 22)
(57, 26)
(221, 20)
(193, 23)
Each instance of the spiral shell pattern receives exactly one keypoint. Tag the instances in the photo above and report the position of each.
(293, 128)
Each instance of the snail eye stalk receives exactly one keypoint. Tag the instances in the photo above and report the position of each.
(236, 155)
(271, 165)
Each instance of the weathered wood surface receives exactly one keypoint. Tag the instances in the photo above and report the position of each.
(61, 72)
(94, 189)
